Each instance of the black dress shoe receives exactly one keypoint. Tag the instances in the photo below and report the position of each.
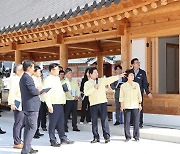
(33, 151)
(44, 129)
(2, 132)
(117, 123)
(67, 141)
(140, 126)
(39, 134)
(95, 140)
(55, 144)
(36, 136)
(107, 140)
(136, 140)
(76, 130)
(127, 140)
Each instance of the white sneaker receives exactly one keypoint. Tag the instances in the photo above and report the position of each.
(90, 123)
(81, 123)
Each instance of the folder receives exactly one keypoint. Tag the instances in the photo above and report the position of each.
(17, 103)
(65, 87)
(44, 90)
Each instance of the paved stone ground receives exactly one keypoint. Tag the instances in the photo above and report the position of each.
(82, 143)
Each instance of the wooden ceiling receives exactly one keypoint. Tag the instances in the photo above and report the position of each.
(79, 50)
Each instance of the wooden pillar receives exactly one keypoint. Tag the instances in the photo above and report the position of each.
(155, 65)
(18, 57)
(179, 63)
(63, 55)
(76, 73)
(149, 62)
(125, 50)
(100, 64)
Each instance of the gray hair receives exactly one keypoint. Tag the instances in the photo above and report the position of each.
(18, 67)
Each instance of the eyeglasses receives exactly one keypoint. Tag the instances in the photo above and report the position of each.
(56, 69)
(137, 62)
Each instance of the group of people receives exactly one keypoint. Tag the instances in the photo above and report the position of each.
(129, 89)
(1, 87)
(30, 100)
(26, 99)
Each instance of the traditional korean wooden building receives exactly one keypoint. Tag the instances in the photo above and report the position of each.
(62, 30)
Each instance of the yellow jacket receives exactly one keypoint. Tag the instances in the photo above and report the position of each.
(56, 94)
(98, 96)
(14, 92)
(130, 95)
(73, 87)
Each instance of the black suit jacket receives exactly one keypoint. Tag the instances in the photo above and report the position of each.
(141, 78)
(117, 90)
(29, 94)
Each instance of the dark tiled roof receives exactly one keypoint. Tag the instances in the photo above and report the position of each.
(21, 14)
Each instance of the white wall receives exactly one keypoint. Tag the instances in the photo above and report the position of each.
(162, 61)
(138, 50)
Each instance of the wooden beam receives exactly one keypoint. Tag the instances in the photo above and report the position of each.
(46, 51)
(167, 29)
(111, 53)
(87, 46)
(116, 40)
(162, 23)
(36, 45)
(82, 56)
(92, 37)
(11, 47)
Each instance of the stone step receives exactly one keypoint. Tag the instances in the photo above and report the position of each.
(156, 132)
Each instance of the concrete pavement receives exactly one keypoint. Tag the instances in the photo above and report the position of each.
(82, 143)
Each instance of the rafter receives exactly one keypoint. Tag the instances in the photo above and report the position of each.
(87, 46)
(36, 45)
(92, 37)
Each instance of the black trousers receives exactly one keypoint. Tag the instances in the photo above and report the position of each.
(0, 99)
(141, 114)
(29, 130)
(127, 116)
(71, 105)
(56, 121)
(42, 116)
(102, 110)
(85, 110)
(18, 126)
(1, 95)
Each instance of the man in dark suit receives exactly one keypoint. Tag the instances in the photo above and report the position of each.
(141, 78)
(30, 105)
(116, 86)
